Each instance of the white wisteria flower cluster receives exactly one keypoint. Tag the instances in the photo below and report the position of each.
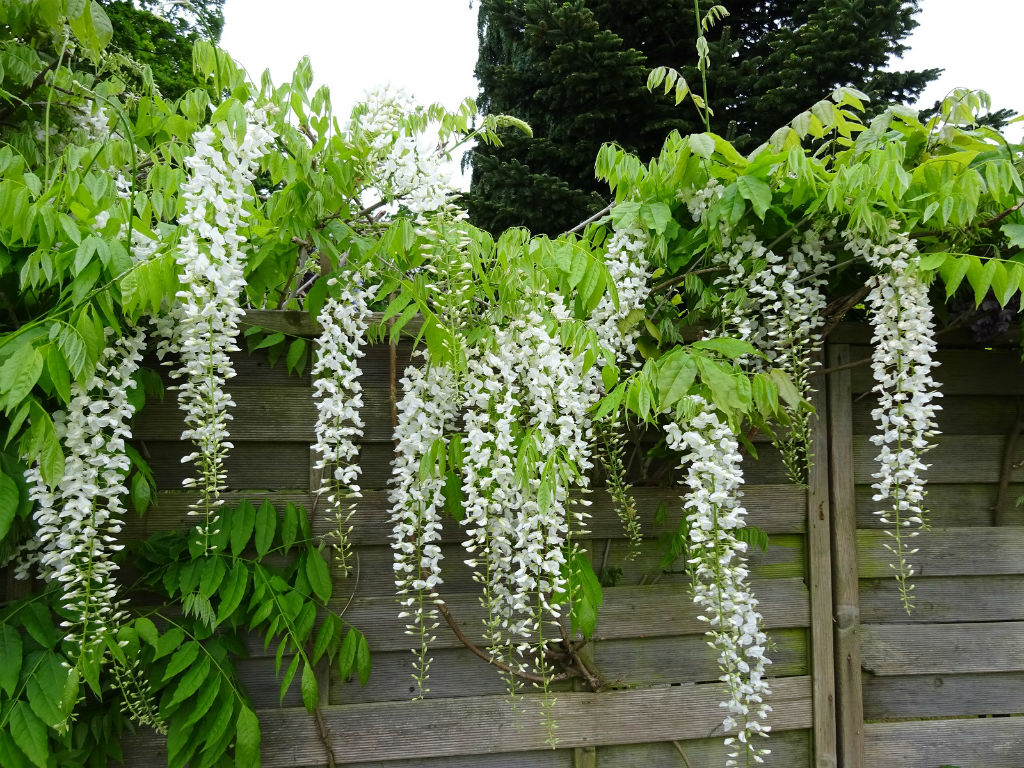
(902, 361)
(630, 271)
(716, 556)
(79, 520)
(407, 165)
(779, 311)
(202, 326)
(339, 399)
(426, 412)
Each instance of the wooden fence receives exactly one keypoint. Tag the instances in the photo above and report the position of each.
(857, 682)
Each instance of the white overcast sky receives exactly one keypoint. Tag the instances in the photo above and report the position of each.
(428, 47)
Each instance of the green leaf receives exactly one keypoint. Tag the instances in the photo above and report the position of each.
(584, 616)
(266, 525)
(676, 374)
(181, 659)
(757, 192)
(10, 652)
(324, 636)
(296, 358)
(19, 374)
(45, 689)
(232, 590)
(702, 145)
(9, 502)
(953, 271)
(190, 681)
(319, 575)
(168, 642)
(656, 216)
(932, 261)
(29, 733)
(289, 526)
(1014, 234)
(453, 498)
(247, 739)
(363, 662)
(59, 375)
(347, 653)
(732, 348)
(309, 687)
(141, 493)
(271, 340)
(38, 622)
(243, 519)
(213, 572)
(147, 630)
(10, 755)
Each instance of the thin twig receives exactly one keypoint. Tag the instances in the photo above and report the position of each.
(477, 651)
(325, 736)
(682, 754)
(842, 306)
(1000, 216)
(593, 218)
(596, 683)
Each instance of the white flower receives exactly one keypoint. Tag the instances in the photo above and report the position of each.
(203, 324)
(338, 396)
(713, 477)
(902, 364)
(78, 520)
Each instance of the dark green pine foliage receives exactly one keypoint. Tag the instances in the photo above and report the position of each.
(160, 35)
(576, 72)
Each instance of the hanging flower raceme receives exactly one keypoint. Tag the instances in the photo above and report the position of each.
(426, 411)
(202, 327)
(78, 520)
(716, 556)
(902, 363)
(780, 313)
(338, 397)
(630, 272)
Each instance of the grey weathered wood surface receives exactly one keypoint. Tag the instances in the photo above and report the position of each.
(945, 599)
(943, 695)
(485, 725)
(902, 649)
(819, 582)
(947, 552)
(972, 743)
(845, 592)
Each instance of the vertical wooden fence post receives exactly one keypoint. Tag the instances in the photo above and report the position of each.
(846, 600)
(819, 574)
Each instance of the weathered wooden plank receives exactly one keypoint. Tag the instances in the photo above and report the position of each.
(949, 506)
(488, 725)
(789, 749)
(936, 695)
(249, 465)
(654, 611)
(454, 673)
(846, 607)
(957, 373)
(688, 659)
(906, 649)
(267, 414)
(544, 758)
(972, 743)
(945, 599)
(955, 459)
(819, 570)
(947, 552)
(784, 558)
(778, 509)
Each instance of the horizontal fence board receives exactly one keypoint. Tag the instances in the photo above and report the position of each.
(950, 506)
(774, 508)
(454, 673)
(374, 573)
(789, 749)
(931, 695)
(860, 333)
(659, 660)
(543, 758)
(487, 725)
(944, 599)
(960, 372)
(652, 611)
(947, 552)
(955, 459)
(269, 466)
(906, 649)
(960, 415)
(973, 743)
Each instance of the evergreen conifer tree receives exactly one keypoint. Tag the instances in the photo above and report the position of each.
(576, 72)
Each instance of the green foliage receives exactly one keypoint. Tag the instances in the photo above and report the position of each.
(576, 73)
